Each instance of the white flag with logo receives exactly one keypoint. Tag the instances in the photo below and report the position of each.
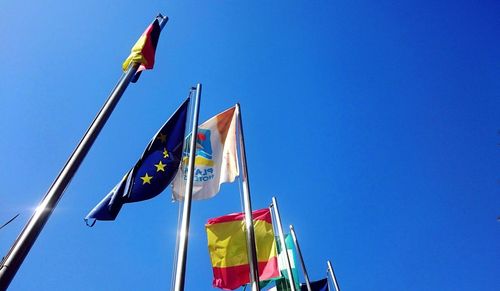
(216, 161)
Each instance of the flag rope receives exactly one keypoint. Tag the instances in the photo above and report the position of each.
(12, 219)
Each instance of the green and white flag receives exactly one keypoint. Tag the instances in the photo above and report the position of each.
(283, 284)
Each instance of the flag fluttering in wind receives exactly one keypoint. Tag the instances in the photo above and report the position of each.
(228, 249)
(283, 284)
(216, 160)
(143, 52)
(320, 285)
(151, 174)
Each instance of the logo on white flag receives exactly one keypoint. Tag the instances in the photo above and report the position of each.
(215, 161)
(204, 170)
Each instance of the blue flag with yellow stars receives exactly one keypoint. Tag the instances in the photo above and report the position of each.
(151, 174)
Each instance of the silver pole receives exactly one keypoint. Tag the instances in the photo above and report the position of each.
(332, 274)
(251, 248)
(29, 234)
(26, 239)
(180, 271)
(297, 247)
(283, 245)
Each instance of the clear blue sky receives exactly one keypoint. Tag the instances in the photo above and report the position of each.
(374, 123)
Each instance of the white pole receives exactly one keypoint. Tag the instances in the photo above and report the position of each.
(180, 271)
(332, 274)
(297, 247)
(283, 245)
(251, 248)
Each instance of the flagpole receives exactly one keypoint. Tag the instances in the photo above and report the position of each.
(332, 274)
(180, 270)
(26, 239)
(283, 245)
(297, 247)
(251, 248)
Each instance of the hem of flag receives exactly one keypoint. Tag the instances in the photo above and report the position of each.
(262, 214)
(267, 270)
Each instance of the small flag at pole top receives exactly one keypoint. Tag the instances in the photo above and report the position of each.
(228, 249)
(143, 52)
(151, 174)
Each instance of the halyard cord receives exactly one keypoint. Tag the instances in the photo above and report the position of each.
(9, 221)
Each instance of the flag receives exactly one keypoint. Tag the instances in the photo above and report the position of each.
(143, 52)
(216, 161)
(151, 174)
(283, 284)
(320, 285)
(227, 245)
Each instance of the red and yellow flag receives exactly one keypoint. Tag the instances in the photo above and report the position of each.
(228, 249)
(143, 52)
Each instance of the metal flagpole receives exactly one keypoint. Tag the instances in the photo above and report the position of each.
(297, 247)
(180, 271)
(251, 248)
(332, 274)
(26, 239)
(283, 245)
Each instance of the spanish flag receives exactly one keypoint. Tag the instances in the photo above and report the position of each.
(143, 52)
(228, 249)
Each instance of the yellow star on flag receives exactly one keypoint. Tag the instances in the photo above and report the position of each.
(146, 179)
(165, 153)
(162, 137)
(160, 167)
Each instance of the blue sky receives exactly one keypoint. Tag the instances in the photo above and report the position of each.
(374, 124)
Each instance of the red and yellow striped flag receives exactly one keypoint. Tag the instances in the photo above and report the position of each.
(143, 52)
(228, 249)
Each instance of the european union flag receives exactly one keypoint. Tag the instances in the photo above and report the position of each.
(151, 174)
